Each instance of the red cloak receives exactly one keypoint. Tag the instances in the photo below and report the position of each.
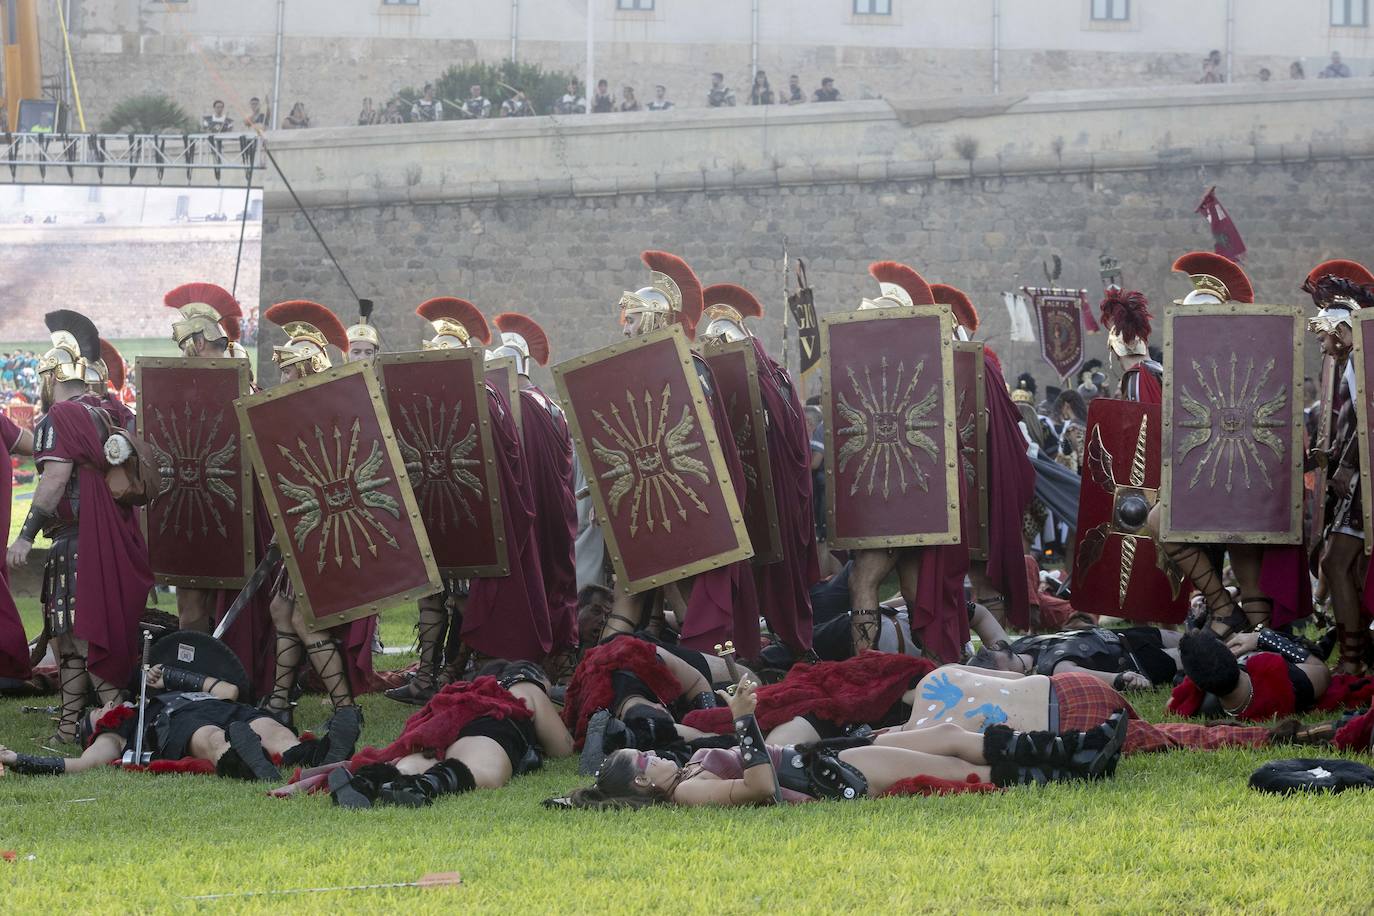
(591, 687)
(548, 456)
(434, 728)
(14, 645)
(1148, 389)
(1011, 486)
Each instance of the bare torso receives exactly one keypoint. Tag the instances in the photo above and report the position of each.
(974, 698)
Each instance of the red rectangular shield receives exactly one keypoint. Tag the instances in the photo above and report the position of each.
(1233, 438)
(502, 376)
(1363, 356)
(735, 367)
(659, 484)
(341, 503)
(200, 527)
(1116, 564)
(890, 441)
(437, 401)
(970, 407)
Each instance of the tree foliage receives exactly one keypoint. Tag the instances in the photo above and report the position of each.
(153, 113)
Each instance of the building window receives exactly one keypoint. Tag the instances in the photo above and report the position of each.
(1350, 13)
(873, 7)
(400, 2)
(1111, 10)
(642, 6)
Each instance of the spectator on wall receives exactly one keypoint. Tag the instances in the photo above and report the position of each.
(392, 114)
(427, 107)
(628, 101)
(476, 105)
(571, 102)
(297, 119)
(762, 92)
(827, 92)
(1215, 57)
(793, 94)
(602, 103)
(517, 106)
(1209, 72)
(216, 122)
(256, 116)
(1335, 69)
(661, 101)
(720, 96)
(1264, 74)
(1296, 72)
(368, 116)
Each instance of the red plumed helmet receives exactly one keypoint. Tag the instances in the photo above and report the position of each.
(528, 328)
(1340, 267)
(114, 364)
(1128, 313)
(687, 283)
(459, 310)
(959, 302)
(900, 275)
(232, 329)
(735, 296)
(217, 297)
(313, 314)
(1211, 264)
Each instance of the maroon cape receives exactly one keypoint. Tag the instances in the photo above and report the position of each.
(1011, 486)
(508, 617)
(548, 457)
(113, 575)
(940, 618)
(724, 604)
(14, 645)
(253, 635)
(434, 728)
(784, 587)
(1148, 388)
(119, 411)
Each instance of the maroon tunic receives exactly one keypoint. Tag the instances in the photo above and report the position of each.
(1139, 384)
(508, 617)
(723, 604)
(252, 637)
(548, 455)
(940, 617)
(784, 587)
(14, 645)
(1011, 486)
(113, 574)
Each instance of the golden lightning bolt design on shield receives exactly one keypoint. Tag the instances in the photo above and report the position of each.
(1230, 419)
(884, 428)
(648, 462)
(338, 496)
(968, 440)
(438, 463)
(744, 442)
(194, 466)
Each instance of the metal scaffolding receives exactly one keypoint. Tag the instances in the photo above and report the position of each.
(131, 160)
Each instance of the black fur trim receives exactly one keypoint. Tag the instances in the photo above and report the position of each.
(1209, 663)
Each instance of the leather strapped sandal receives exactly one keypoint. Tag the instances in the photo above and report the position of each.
(1353, 643)
(1264, 618)
(864, 629)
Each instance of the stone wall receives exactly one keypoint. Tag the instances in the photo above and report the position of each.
(116, 275)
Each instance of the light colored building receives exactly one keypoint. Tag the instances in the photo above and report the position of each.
(335, 52)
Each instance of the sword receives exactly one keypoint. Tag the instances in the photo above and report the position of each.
(259, 576)
(137, 759)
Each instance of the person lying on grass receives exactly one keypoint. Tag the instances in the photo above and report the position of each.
(1250, 676)
(193, 715)
(756, 773)
(470, 735)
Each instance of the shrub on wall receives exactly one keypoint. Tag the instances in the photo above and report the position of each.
(147, 114)
(499, 82)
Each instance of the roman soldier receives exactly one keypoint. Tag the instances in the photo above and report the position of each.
(721, 604)
(501, 617)
(363, 340)
(97, 577)
(14, 644)
(1126, 315)
(548, 451)
(1339, 288)
(311, 329)
(783, 587)
(931, 579)
(207, 311)
(999, 582)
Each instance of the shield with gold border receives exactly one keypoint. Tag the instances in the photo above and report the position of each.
(658, 479)
(341, 503)
(199, 529)
(502, 375)
(1116, 562)
(890, 440)
(1232, 450)
(438, 404)
(1363, 356)
(970, 406)
(735, 367)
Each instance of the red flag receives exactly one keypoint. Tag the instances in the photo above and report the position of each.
(1225, 236)
(1089, 321)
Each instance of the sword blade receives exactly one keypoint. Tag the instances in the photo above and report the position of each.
(250, 588)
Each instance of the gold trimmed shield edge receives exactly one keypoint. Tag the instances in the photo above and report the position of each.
(434, 585)
(980, 439)
(1293, 535)
(770, 498)
(744, 549)
(1361, 400)
(245, 468)
(951, 534)
(512, 388)
(490, 474)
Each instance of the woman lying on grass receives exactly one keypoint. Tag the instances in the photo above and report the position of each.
(193, 715)
(755, 773)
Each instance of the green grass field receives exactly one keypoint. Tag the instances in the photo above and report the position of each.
(1176, 832)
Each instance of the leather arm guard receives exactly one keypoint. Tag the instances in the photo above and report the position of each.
(181, 680)
(522, 673)
(752, 751)
(1274, 641)
(34, 522)
(29, 765)
(704, 700)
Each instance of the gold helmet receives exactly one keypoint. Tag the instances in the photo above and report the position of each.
(457, 323)
(1216, 279)
(673, 295)
(205, 309)
(1338, 288)
(522, 338)
(900, 286)
(727, 306)
(364, 331)
(75, 348)
(311, 328)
